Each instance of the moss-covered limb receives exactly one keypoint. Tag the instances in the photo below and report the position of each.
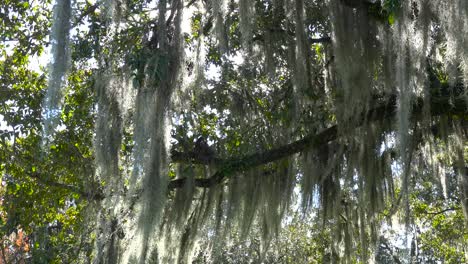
(228, 167)
(439, 106)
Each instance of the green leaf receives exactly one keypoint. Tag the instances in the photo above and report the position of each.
(391, 18)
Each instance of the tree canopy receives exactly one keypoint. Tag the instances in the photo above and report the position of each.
(233, 131)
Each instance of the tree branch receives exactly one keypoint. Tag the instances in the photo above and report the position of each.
(442, 211)
(174, 7)
(442, 105)
(320, 40)
(86, 12)
(190, 3)
(260, 37)
(71, 188)
(194, 158)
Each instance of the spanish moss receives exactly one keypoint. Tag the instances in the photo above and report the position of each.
(59, 38)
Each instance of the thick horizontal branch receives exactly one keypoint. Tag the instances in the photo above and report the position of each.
(261, 37)
(230, 166)
(250, 161)
(320, 40)
(194, 158)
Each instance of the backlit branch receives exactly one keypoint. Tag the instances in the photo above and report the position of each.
(230, 166)
(71, 188)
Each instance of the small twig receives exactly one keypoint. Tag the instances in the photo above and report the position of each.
(174, 9)
(88, 11)
(190, 3)
(442, 211)
(71, 188)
